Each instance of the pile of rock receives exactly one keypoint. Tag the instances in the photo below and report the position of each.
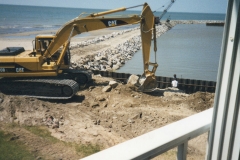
(175, 22)
(110, 86)
(113, 58)
(101, 38)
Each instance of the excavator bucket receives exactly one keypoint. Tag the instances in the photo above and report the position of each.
(147, 84)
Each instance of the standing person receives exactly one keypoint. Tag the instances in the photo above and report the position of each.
(174, 81)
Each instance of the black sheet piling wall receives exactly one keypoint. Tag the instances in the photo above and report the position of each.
(187, 85)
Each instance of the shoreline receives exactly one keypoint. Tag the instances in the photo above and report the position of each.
(24, 39)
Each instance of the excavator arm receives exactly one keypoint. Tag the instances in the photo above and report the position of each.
(148, 80)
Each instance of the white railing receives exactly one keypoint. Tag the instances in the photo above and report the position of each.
(156, 142)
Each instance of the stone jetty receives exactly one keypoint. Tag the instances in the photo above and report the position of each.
(113, 58)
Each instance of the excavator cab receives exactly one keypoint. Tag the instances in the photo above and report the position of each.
(42, 42)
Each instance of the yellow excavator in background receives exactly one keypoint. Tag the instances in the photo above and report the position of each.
(45, 72)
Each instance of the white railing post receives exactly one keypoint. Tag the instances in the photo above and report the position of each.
(182, 151)
(224, 141)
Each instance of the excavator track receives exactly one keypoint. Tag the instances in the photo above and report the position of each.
(40, 88)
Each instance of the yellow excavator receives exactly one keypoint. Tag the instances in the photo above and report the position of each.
(45, 72)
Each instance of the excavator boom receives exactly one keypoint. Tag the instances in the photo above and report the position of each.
(87, 24)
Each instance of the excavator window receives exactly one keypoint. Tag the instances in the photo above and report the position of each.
(43, 44)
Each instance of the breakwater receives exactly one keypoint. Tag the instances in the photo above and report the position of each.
(187, 85)
(112, 58)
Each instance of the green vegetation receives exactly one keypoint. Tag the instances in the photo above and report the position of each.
(42, 132)
(10, 149)
(87, 150)
(12, 125)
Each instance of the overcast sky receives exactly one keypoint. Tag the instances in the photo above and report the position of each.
(198, 6)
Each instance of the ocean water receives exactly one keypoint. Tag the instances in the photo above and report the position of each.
(17, 19)
(190, 51)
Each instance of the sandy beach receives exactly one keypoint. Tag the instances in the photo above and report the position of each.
(25, 39)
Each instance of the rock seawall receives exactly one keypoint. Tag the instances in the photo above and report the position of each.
(113, 58)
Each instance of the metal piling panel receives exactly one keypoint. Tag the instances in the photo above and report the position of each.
(187, 85)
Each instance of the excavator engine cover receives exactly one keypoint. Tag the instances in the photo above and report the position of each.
(11, 51)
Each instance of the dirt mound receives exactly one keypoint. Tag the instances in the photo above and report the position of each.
(99, 116)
